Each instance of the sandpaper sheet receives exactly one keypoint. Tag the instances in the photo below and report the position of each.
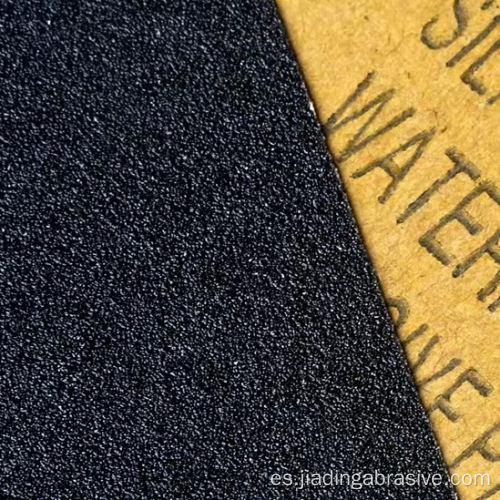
(408, 96)
(187, 307)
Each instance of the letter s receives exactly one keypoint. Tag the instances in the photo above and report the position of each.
(461, 19)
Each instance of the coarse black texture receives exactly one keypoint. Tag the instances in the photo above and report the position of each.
(186, 305)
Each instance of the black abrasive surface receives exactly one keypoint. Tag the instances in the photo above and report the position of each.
(186, 306)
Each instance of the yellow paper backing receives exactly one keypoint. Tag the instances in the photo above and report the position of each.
(407, 94)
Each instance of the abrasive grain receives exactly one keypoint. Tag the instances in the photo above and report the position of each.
(186, 305)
